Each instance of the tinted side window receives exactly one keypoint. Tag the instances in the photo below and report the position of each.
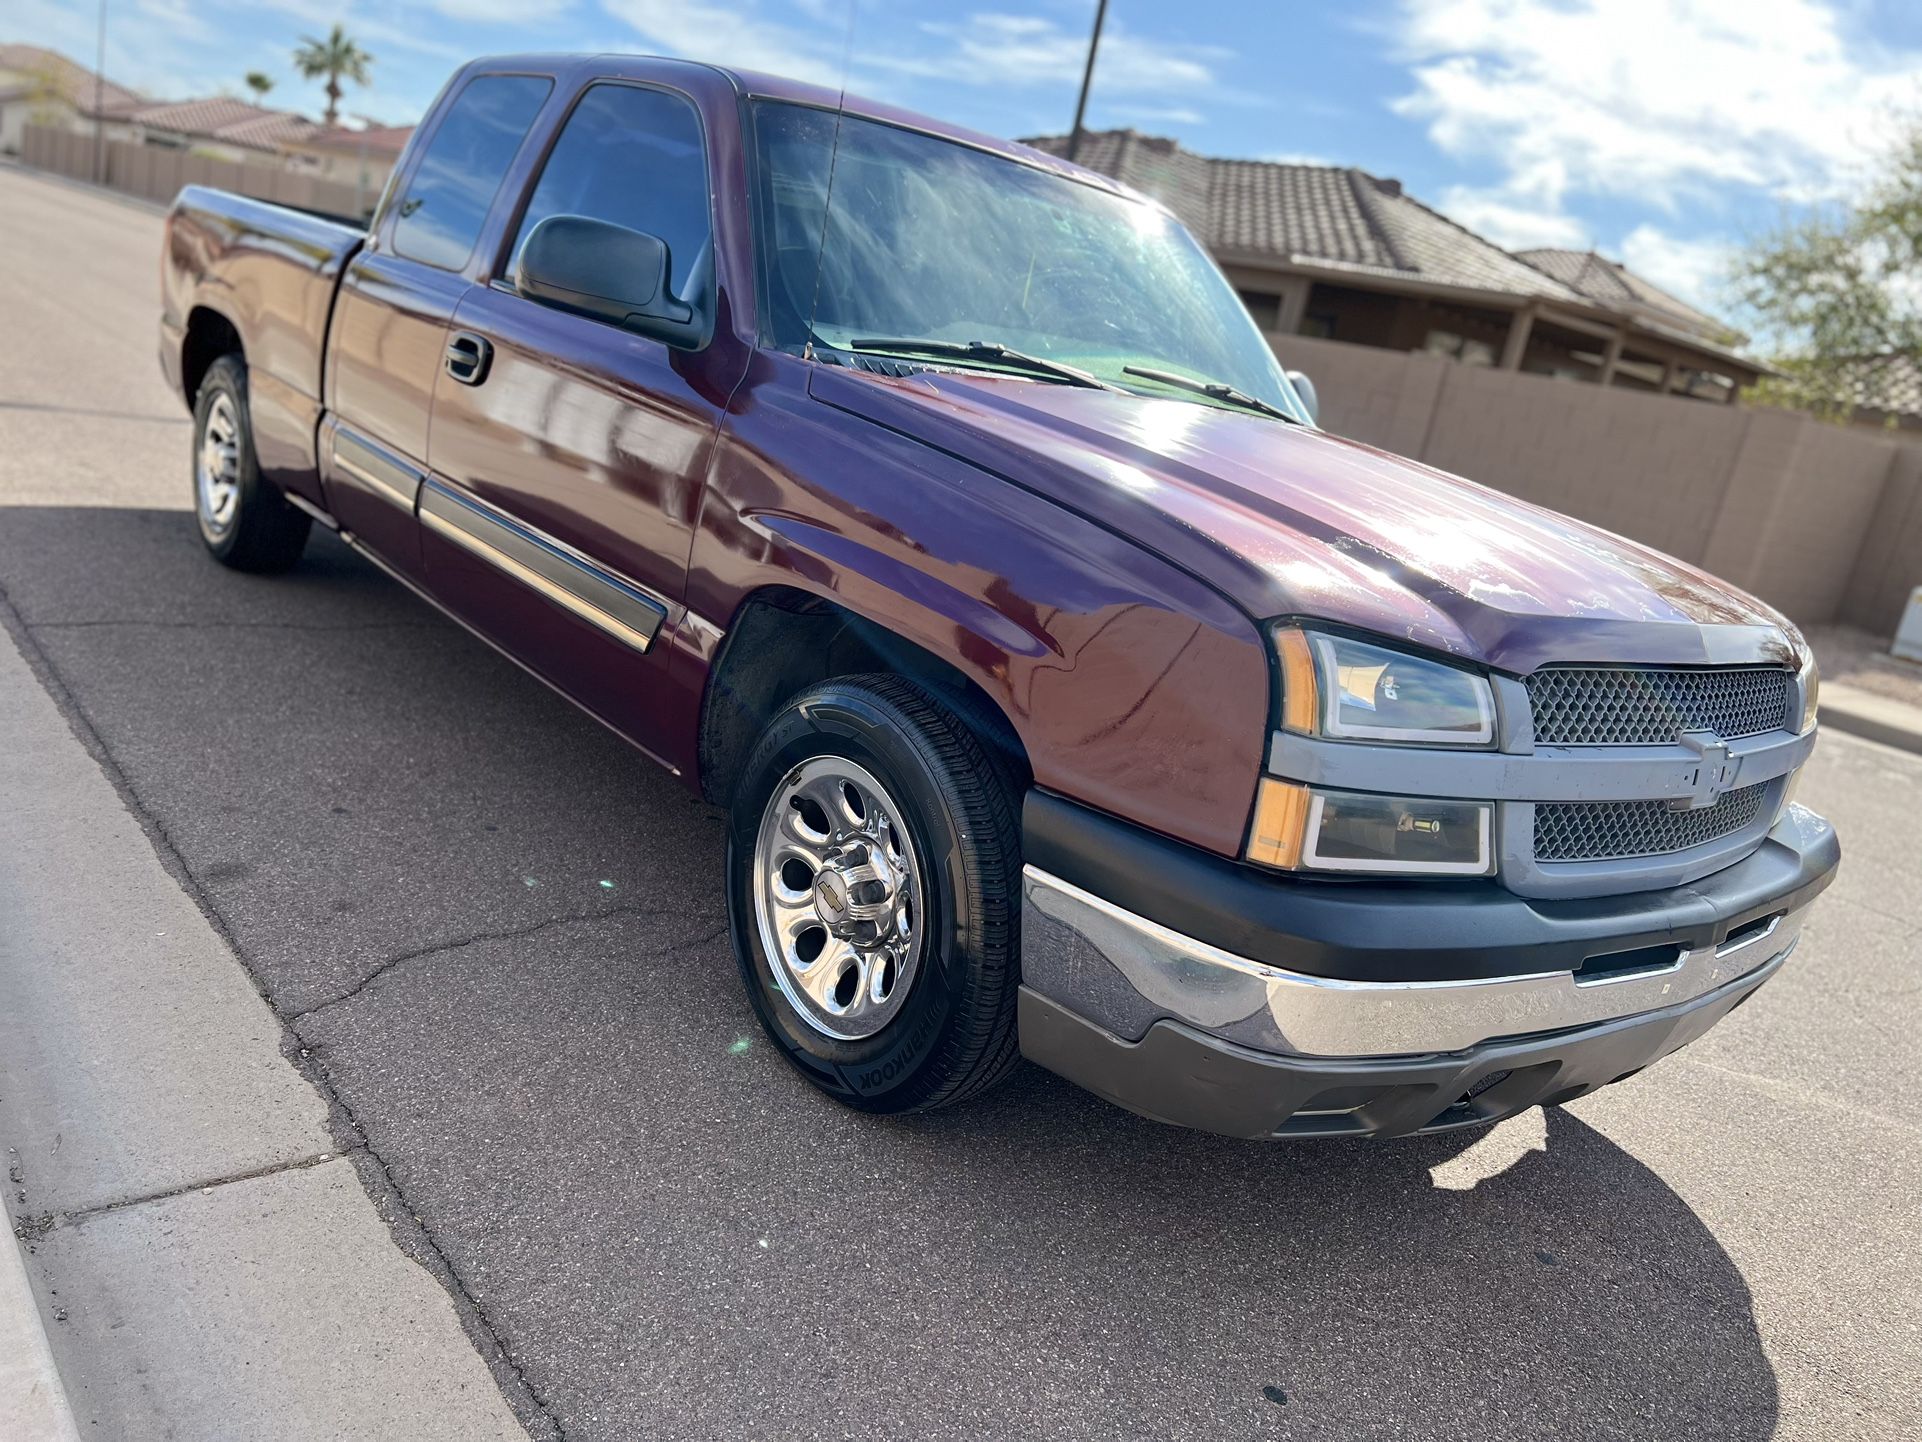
(631, 157)
(447, 200)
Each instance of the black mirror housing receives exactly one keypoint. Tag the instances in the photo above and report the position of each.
(612, 273)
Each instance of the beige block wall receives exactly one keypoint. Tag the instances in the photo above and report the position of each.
(1890, 564)
(157, 173)
(1820, 521)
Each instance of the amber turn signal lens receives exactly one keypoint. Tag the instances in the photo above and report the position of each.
(1299, 701)
(1281, 820)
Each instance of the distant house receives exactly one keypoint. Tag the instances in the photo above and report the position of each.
(43, 87)
(222, 126)
(1338, 253)
(360, 158)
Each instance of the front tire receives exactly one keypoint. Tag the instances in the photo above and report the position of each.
(244, 519)
(873, 867)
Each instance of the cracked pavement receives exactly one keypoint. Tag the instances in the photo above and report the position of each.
(495, 935)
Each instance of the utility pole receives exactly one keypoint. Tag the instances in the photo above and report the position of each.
(1087, 79)
(99, 101)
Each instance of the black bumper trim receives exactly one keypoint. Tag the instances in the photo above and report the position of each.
(1406, 930)
(1182, 1076)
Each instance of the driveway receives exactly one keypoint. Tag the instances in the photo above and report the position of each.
(498, 935)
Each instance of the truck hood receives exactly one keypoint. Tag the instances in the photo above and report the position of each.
(1288, 521)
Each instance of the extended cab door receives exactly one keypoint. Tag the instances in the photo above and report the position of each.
(567, 478)
(388, 343)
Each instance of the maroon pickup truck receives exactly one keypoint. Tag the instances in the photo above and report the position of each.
(933, 506)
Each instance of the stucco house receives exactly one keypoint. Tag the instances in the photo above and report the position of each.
(361, 158)
(43, 87)
(222, 126)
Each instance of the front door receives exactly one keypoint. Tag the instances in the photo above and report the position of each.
(388, 342)
(567, 475)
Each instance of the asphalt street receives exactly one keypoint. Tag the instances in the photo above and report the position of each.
(499, 936)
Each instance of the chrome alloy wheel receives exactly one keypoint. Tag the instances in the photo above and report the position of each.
(838, 897)
(217, 468)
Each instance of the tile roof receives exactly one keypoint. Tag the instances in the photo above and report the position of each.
(375, 139)
(224, 118)
(1612, 284)
(74, 82)
(1323, 215)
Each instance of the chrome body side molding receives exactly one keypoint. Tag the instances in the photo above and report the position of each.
(553, 570)
(376, 468)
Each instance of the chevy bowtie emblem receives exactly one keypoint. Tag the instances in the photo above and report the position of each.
(1711, 776)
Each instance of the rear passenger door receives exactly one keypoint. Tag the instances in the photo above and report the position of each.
(389, 337)
(567, 480)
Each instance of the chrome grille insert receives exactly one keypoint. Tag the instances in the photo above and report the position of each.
(1612, 830)
(1634, 706)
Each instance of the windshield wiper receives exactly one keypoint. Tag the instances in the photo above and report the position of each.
(987, 351)
(1214, 390)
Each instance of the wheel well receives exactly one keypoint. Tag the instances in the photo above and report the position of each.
(210, 335)
(783, 641)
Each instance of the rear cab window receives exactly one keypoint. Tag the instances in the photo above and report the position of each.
(439, 218)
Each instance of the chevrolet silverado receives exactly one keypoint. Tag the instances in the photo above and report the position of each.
(933, 506)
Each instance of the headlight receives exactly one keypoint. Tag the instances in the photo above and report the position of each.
(1300, 827)
(1353, 690)
(1811, 685)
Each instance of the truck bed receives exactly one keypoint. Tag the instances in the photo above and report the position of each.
(271, 272)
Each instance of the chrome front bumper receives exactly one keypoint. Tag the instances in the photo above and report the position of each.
(1125, 972)
(1209, 994)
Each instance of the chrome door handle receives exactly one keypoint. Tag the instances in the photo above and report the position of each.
(467, 357)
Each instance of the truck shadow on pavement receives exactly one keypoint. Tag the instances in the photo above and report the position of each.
(500, 934)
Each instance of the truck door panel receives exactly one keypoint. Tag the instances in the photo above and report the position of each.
(586, 441)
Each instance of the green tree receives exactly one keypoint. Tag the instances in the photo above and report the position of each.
(260, 82)
(338, 58)
(1837, 285)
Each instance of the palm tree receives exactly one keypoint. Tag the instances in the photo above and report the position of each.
(337, 58)
(260, 82)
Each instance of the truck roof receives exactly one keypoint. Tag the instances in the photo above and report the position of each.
(762, 85)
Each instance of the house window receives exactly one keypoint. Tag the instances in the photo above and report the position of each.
(1459, 347)
(1264, 308)
(1318, 323)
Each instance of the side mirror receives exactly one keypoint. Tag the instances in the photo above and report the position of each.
(611, 273)
(1305, 388)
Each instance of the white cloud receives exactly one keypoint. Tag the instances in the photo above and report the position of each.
(1156, 114)
(1691, 269)
(740, 32)
(1661, 101)
(502, 12)
(984, 48)
(996, 49)
(1512, 220)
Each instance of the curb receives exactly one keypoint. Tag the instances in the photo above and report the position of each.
(1872, 717)
(33, 1400)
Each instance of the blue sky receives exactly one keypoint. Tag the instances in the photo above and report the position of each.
(1660, 133)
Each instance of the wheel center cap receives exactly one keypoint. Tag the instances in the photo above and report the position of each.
(831, 897)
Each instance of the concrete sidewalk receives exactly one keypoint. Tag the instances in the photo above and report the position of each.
(206, 1261)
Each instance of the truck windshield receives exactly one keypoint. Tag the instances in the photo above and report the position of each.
(937, 241)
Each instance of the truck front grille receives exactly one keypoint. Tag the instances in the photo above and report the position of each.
(1612, 830)
(1633, 706)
